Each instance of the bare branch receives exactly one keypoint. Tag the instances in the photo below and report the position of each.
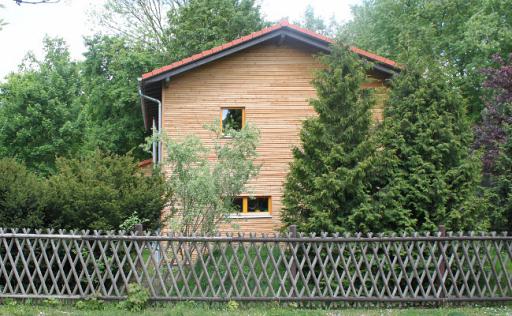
(143, 21)
(19, 2)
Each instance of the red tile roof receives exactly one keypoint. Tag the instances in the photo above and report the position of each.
(259, 33)
(144, 163)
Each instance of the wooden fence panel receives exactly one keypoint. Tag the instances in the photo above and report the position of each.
(293, 267)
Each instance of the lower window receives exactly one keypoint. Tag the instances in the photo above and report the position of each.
(251, 205)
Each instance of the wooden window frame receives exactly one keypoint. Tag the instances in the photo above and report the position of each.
(245, 204)
(232, 108)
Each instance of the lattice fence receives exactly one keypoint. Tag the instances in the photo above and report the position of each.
(407, 268)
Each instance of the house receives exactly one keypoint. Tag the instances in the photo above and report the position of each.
(263, 78)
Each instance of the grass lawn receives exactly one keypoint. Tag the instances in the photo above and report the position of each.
(193, 309)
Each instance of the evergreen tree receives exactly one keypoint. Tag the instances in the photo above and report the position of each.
(425, 174)
(326, 180)
(21, 196)
(100, 191)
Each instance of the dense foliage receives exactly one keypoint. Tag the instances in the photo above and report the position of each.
(491, 133)
(58, 107)
(111, 109)
(100, 191)
(326, 180)
(426, 173)
(21, 196)
(39, 109)
(494, 135)
(462, 35)
(413, 172)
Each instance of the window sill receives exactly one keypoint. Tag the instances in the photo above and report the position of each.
(245, 216)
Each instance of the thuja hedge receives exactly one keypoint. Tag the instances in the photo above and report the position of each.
(96, 191)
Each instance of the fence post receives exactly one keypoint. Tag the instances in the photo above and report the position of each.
(138, 229)
(442, 265)
(293, 268)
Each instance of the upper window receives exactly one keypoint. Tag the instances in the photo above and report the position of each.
(232, 118)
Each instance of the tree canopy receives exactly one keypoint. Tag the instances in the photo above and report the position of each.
(199, 25)
(461, 35)
(39, 109)
(202, 190)
(111, 110)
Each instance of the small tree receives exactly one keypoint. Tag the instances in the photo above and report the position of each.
(102, 191)
(21, 194)
(426, 173)
(494, 135)
(326, 182)
(204, 181)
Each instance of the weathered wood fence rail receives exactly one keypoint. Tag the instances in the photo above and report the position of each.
(373, 268)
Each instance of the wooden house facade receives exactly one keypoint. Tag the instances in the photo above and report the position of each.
(263, 79)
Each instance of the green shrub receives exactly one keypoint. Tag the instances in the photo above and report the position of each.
(52, 302)
(232, 306)
(20, 196)
(101, 191)
(129, 223)
(137, 299)
(91, 304)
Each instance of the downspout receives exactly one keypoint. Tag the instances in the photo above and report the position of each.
(156, 159)
(153, 128)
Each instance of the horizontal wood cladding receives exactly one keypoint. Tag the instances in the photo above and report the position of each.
(273, 84)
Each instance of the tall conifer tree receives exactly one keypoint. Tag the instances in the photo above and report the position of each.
(326, 180)
(431, 175)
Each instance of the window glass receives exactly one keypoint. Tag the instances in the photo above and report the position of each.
(245, 204)
(238, 204)
(232, 119)
(259, 204)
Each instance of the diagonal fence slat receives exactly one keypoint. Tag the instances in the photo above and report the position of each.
(295, 267)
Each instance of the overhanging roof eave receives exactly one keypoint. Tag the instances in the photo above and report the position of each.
(323, 46)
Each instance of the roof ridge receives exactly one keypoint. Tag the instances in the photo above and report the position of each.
(281, 24)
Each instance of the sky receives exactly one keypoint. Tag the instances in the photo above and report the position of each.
(71, 20)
